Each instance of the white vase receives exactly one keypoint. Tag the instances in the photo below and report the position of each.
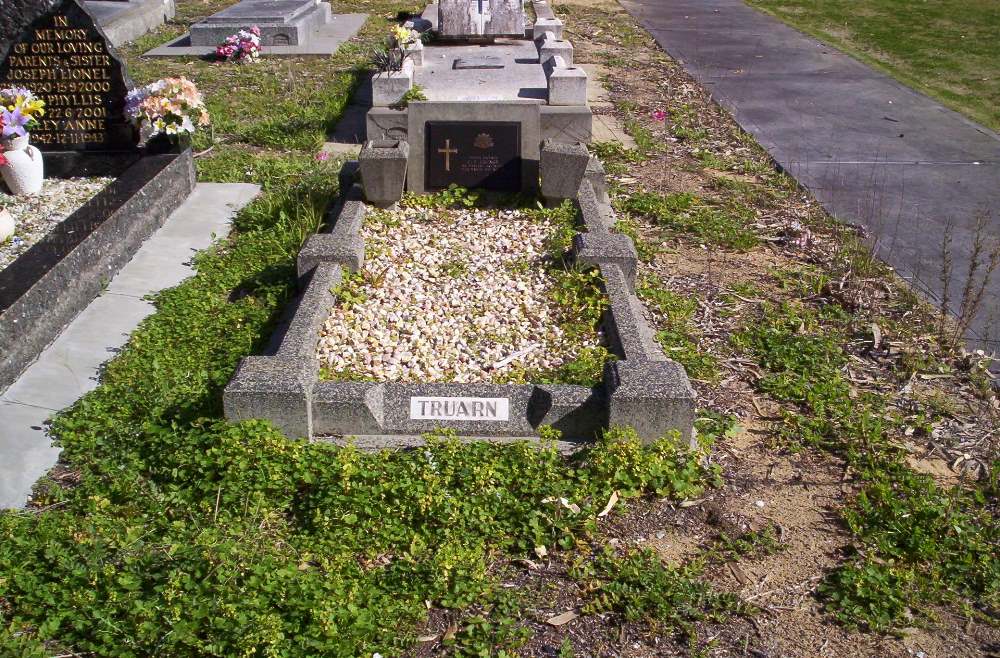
(6, 226)
(24, 170)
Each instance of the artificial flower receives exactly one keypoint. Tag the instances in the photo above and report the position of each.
(14, 123)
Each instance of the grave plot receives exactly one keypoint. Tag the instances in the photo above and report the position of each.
(36, 216)
(374, 263)
(466, 295)
(85, 132)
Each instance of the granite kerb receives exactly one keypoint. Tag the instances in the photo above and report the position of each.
(285, 387)
(50, 284)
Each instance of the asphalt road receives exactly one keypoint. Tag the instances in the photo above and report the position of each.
(873, 151)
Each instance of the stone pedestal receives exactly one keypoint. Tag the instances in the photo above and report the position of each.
(388, 87)
(383, 170)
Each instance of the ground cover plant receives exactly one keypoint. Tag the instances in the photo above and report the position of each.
(167, 531)
(945, 49)
(462, 287)
(842, 501)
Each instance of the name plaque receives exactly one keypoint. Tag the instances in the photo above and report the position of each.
(448, 408)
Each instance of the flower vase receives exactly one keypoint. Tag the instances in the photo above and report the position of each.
(24, 171)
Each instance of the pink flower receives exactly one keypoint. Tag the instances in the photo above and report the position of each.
(322, 156)
(660, 115)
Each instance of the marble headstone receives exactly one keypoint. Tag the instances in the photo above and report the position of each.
(58, 52)
(480, 18)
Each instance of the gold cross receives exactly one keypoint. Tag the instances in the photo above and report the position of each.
(447, 151)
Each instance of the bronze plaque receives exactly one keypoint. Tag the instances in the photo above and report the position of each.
(473, 154)
(65, 59)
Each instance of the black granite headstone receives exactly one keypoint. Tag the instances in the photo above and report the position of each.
(57, 50)
(473, 154)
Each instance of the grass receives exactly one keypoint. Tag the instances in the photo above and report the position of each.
(947, 49)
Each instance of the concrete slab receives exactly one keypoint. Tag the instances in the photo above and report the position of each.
(873, 151)
(607, 128)
(125, 21)
(26, 449)
(324, 40)
(71, 366)
(521, 77)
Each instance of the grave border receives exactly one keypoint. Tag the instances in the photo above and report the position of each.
(51, 283)
(644, 389)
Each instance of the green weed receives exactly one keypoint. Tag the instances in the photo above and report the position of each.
(676, 333)
(685, 214)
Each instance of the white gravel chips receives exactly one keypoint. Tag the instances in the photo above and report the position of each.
(36, 215)
(449, 295)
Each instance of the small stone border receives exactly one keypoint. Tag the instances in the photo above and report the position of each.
(48, 285)
(644, 389)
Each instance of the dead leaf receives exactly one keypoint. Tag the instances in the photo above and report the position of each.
(540, 551)
(562, 619)
(450, 633)
(876, 335)
(427, 638)
(611, 503)
(692, 503)
(738, 573)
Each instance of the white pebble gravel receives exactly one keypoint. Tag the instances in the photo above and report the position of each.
(450, 295)
(36, 215)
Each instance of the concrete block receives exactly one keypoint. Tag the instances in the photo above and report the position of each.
(388, 87)
(415, 51)
(543, 25)
(275, 389)
(599, 248)
(627, 331)
(550, 48)
(383, 170)
(342, 244)
(312, 308)
(347, 408)
(597, 217)
(578, 412)
(566, 123)
(598, 181)
(654, 397)
(387, 123)
(568, 86)
(562, 169)
(543, 10)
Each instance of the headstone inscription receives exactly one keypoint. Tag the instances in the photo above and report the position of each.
(473, 154)
(480, 18)
(64, 58)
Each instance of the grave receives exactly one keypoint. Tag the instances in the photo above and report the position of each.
(506, 110)
(482, 73)
(59, 51)
(127, 20)
(643, 388)
(287, 27)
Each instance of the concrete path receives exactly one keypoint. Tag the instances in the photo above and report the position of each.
(873, 151)
(71, 365)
